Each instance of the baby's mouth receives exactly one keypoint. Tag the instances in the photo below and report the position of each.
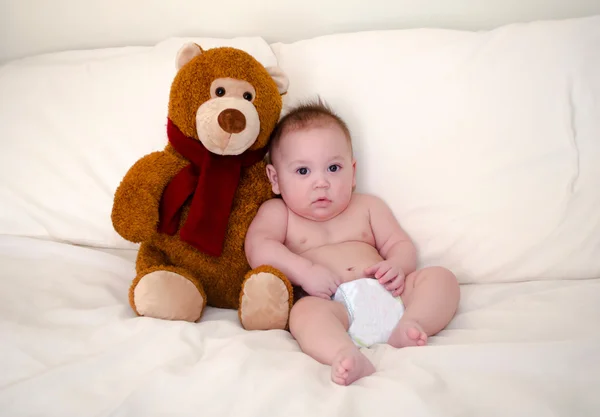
(322, 200)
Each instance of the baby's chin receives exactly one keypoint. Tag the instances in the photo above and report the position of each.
(318, 214)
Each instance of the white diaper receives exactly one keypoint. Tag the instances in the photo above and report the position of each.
(373, 311)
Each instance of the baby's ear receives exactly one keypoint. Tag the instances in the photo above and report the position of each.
(187, 52)
(280, 78)
(272, 174)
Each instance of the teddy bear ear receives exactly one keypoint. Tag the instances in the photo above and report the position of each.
(280, 78)
(187, 52)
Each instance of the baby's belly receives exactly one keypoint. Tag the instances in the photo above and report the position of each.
(348, 259)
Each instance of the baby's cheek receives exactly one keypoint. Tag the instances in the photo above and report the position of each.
(346, 193)
(293, 198)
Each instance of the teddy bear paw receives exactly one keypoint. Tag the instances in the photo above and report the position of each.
(169, 296)
(265, 302)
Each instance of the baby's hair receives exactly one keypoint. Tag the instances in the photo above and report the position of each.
(306, 114)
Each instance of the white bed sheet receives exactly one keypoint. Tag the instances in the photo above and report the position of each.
(71, 346)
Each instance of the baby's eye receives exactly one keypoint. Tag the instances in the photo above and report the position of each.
(334, 168)
(302, 171)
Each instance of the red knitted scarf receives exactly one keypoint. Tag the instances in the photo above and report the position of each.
(211, 180)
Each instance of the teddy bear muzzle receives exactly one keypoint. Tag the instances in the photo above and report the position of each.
(227, 125)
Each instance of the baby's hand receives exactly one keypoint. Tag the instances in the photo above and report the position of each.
(388, 275)
(321, 282)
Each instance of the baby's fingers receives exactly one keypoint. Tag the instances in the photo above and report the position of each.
(370, 271)
(395, 283)
(378, 270)
(388, 277)
(383, 271)
(398, 291)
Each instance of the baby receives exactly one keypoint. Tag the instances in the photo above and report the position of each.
(345, 250)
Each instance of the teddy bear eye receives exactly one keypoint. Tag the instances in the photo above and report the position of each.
(220, 91)
(247, 96)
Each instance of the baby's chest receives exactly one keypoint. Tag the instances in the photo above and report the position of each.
(303, 235)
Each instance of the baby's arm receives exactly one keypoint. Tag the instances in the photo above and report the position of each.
(265, 246)
(264, 242)
(393, 243)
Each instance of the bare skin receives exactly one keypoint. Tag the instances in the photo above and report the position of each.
(321, 234)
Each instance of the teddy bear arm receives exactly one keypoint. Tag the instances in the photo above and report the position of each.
(135, 208)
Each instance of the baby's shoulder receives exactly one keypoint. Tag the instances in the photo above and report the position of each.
(274, 208)
(367, 201)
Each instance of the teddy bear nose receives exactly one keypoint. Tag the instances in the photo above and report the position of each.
(232, 121)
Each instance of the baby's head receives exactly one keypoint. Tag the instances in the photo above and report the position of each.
(311, 162)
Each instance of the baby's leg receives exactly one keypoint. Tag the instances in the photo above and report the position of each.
(431, 297)
(321, 328)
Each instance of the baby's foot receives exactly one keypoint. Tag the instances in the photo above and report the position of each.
(408, 333)
(350, 365)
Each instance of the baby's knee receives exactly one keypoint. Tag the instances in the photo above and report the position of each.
(442, 273)
(444, 277)
(301, 311)
(311, 311)
(437, 273)
(301, 305)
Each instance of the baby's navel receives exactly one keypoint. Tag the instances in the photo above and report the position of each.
(350, 268)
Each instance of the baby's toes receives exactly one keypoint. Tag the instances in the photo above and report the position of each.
(340, 380)
(414, 334)
(422, 340)
(339, 373)
(339, 376)
(347, 364)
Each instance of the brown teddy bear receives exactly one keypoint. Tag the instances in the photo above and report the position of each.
(191, 204)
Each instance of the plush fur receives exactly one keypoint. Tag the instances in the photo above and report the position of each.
(219, 280)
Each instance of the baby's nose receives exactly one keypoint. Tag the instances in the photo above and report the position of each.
(322, 183)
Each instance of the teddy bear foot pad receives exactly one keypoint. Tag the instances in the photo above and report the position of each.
(168, 295)
(265, 302)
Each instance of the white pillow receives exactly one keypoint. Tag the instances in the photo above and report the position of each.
(486, 145)
(71, 125)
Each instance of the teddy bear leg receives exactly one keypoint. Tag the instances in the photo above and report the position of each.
(167, 293)
(265, 300)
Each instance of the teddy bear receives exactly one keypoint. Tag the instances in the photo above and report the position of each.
(189, 206)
